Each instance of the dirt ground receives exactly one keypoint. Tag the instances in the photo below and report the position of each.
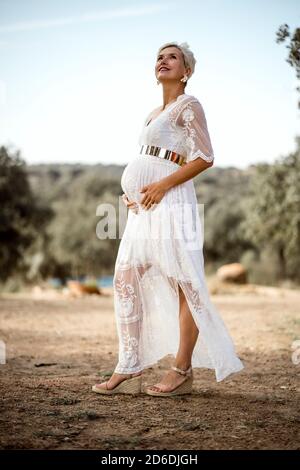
(58, 347)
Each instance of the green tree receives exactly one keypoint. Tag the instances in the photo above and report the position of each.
(21, 218)
(224, 239)
(294, 48)
(272, 211)
(74, 241)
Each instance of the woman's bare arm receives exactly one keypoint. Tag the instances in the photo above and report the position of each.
(185, 173)
(154, 192)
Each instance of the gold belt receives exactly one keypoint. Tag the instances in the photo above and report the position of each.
(163, 153)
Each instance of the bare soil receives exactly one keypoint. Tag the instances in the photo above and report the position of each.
(57, 347)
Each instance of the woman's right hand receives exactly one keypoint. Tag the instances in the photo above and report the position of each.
(130, 204)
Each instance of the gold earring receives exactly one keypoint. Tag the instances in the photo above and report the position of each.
(184, 79)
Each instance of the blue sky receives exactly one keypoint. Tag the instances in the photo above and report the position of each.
(77, 77)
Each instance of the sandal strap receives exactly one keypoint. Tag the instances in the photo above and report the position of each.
(181, 371)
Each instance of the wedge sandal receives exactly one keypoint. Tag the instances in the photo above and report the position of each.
(184, 388)
(131, 386)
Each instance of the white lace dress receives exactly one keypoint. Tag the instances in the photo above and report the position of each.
(162, 249)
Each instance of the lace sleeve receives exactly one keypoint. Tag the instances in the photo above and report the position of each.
(196, 135)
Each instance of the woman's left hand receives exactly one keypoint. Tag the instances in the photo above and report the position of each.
(154, 193)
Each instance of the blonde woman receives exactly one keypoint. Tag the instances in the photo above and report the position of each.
(162, 303)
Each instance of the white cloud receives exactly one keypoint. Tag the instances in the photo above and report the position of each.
(86, 17)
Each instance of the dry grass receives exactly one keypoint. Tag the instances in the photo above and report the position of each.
(57, 347)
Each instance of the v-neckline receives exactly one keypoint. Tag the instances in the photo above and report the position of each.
(168, 107)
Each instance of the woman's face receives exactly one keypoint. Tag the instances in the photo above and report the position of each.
(172, 59)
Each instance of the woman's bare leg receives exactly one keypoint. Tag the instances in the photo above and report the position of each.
(188, 337)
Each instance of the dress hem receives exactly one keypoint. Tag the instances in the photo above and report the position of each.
(218, 377)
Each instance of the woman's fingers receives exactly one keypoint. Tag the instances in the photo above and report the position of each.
(130, 204)
(126, 200)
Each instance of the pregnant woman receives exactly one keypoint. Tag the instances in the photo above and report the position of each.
(162, 303)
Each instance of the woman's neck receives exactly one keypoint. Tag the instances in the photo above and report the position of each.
(171, 95)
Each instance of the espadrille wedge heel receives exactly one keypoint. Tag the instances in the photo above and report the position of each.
(131, 385)
(182, 389)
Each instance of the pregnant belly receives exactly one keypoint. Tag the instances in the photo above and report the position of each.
(131, 180)
(144, 170)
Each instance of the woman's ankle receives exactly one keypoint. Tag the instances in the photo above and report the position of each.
(136, 374)
(183, 365)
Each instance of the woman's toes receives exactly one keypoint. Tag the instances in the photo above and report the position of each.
(155, 388)
(102, 385)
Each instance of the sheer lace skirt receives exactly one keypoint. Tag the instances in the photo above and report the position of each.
(161, 249)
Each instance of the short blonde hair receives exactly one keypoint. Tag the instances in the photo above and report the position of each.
(188, 56)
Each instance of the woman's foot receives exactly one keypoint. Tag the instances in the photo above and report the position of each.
(170, 381)
(115, 379)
